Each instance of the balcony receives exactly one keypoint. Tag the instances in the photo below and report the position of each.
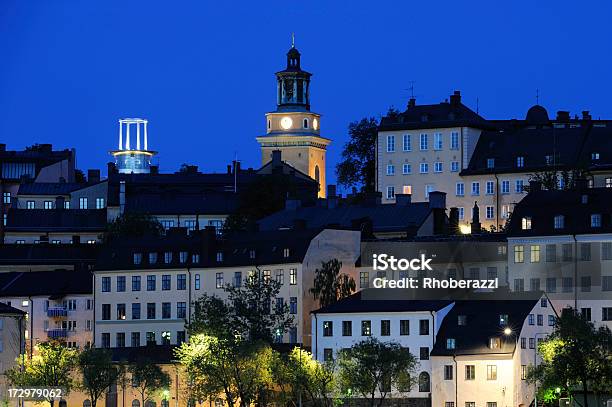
(57, 333)
(57, 312)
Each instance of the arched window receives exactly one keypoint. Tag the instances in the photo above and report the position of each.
(269, 124)
(305, 123)
(424, 382)
(317, 175)
(135, 403)
(86, 403)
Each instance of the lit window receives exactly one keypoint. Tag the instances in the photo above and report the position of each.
(559, 222)
(407, 189)
(519, 254)
(82, 203)
(520, 162)
(526, 223)
(490, 163)
(100, 203)
(450, 343)
(596, 220)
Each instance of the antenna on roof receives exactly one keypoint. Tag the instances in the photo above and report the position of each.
(410, 88)
(235, 171)
(292, 40)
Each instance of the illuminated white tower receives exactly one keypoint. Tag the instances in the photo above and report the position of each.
(132, 156)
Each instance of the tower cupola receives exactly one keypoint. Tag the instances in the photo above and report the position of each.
(293, 84)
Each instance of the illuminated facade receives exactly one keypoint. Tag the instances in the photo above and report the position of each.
(292, 127)
(133, 160)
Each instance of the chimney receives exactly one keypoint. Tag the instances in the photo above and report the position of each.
(121, 197)
(563, 116)
(455, 98)
(535, 186)
(93, 176)
(403, 199)
(276, 158)
(177, 231)
(586, 115)
(111, 168)
(453, 221)
(292, 204)
(2, 147)
(411, 103)
(229, 169)
(299, 224)
(331, 191)
(373, 198)
(59, 202)
(437, 200)
(154, 169)
(476, 227)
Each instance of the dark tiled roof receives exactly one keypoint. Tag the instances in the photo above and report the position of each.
(236, 248)
(355, 304)
(55, 220)
(384, 218)
(442, 115)
(49, 188)
(483, 324)
(41, 254)
(542, 206)
(8, 310)
(210, 203)
(51, 283)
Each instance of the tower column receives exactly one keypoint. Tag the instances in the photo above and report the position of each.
(127, 136)
(146, 144)
(120, 135)
(137, 136)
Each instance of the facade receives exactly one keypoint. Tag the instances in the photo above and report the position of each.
(483, 350)
(12, 341)
(561, 242)
(292, 128)
(144, 290)
(448, 147)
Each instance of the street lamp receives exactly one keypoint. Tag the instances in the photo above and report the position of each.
(507, 331)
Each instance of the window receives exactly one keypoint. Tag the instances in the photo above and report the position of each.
(366, 328)
(182, 257)
(106, 284)
(424, 168)
(48, 204)
(135, 339)
(585, 252)
(491, 372)
(454, 166)
(6, 198)
(470, 404)
(424, 327)
(520, 162)
(390, 192)
(454, 144)
(559, 222)
(438, 166)
(135, 283)
(195, 258)
(106, 340)
(99, 203)
(305, 123)
(585, 284)
(404, 327)
(406, 145)
(106, 312)
(491, 273)
(152, 257)
(424, 353)
(292, 276)
(30, 205)
(390, 144)
(567, 284)
(120, 339)
(219, 280)
(423, 142)
(406, 169)
(286, 252)
(490, 188)
(606, 314)
(181, 282)
(151, 286)
(534, 284)
(596, 220)
(165, 337)
(519, 253)
(490, 163)
(475, 188)
(523, 372)
(585, 313)
(166, 282)
(535, 253)
(450, 343)
(505, 187)
(523, 343)
(150, 310)
(237, 279)
(293, 305)
(150, 338)
(429, 188)
(438, 141)
(531, 343)
(470, 372)
(166, 310)
(448, 372)
(461, 213)
(551, 285)
(606, 250)
(551, 320)
(424, 382)
(526, 223)
(551, 253)
(385, 327)
(82, 203)
(328, 328)
(328, 355)
(494, 342)
(347, 328)
(519, 186)
(491, 404)
(390, 169)
(606, 283)
(197, 282)
(135, 310)
(566, 252)
(219, 257)
(120, 283)
(459, 189)
(168, 257)
(490, 212)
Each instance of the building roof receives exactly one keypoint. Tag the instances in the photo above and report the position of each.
(268, 246)
(56, 220)
(52, 188)
(10, 311)
(168, 203)
(482, 323)
(355, 304)
(53, 283)
(576, 206)
(48, 254)
(384, 218)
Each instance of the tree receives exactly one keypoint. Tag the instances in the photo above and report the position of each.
(330, 285)
(554, 179)
(133, 225)
(358, 165)
(51, 366)
(297, 375)
(372, 368)
(148, 378)
(97, 372)
(576, 355)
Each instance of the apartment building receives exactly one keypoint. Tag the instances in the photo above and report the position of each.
(484, 347)
(561, 242)
(144, 289)
(447, 147)
(58, 305)
(412, 324)
(12, 342)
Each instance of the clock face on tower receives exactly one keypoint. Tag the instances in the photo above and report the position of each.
(286, 123)
(315, 124)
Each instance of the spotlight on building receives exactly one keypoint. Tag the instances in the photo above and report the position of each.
(465, 229)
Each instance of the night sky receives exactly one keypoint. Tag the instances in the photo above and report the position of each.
(202, 72)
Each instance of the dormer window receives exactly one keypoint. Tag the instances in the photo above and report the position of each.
(252, 253)
(594, 156)
(548, 159)
(152, 257)
(137, 258)
(559, 222)
(584, 199)
(490, 163)
(219, 257)
(286, 252)
(494, 343)
(520, 162)
(168, 257)
(450, 343)
(596, 220)
(503, 319)
(462, 320)
(526, 223)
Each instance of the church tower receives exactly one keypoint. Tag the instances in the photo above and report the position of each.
(292, 127)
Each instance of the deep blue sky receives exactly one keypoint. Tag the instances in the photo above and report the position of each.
(202, 72)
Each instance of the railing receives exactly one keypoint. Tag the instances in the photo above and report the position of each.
(55, 312)
(57, 333)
